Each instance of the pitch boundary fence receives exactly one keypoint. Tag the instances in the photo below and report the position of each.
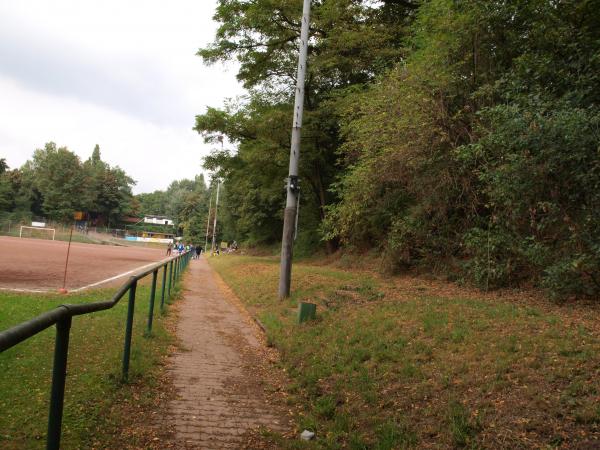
(62, 317)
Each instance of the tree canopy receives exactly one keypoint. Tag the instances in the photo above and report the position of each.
(56, 184)
(451, 136)
(186, 202)
(351, 42)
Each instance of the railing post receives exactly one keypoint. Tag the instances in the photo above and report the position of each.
(59, 375)
(170, 278)
(175, 271)
(162, 294)
(129, 329)
(152, 296)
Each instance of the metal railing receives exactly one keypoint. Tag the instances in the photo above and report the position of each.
(62, 317)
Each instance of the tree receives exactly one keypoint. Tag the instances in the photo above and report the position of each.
(152, 203)
(253, 178)
(185, 201)
(95, 159)
(107, 189)
(94, 172)
(114, 196)
(59, 179)
(478, 151)
(6, 191)
(455, 135)
(351, 42)
(55, 183)
(27, 198)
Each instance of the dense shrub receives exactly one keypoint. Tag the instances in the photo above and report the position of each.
(481, 150)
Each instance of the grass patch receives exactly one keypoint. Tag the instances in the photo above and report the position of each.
(94, 390)
(462, 428)
(387, 365)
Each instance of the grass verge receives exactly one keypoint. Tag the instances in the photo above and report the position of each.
(407, 363)
(98, 405)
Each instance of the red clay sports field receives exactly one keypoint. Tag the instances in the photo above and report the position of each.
(38, 264)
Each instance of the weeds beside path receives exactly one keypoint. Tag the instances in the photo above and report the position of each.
(404, 362)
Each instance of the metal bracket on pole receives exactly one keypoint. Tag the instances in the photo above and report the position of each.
(294, 183)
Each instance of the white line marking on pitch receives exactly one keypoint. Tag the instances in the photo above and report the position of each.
(116, 277)
(37, 291)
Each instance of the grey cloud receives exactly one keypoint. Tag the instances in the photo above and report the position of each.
(62, 69)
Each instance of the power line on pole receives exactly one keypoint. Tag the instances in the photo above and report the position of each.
(293, 189)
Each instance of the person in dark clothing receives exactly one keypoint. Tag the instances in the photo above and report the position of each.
(198, 251)
(169, 248)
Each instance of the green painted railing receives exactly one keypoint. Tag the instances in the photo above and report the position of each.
(62, 317)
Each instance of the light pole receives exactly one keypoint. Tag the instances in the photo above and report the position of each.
(215, 221)
(293, 189)
(208, 223)
(220, 139)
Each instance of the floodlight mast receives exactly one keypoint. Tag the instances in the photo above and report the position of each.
(213, 246)
(293, 189)
(208, 223)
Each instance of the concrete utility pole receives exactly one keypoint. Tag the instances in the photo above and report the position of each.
(215, 221)
(208, 223)
(293, 189)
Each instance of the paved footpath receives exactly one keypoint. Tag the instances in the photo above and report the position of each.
(216, 372)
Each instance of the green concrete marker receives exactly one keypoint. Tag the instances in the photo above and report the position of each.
(306, 311)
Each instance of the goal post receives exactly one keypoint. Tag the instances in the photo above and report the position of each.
(36, 231)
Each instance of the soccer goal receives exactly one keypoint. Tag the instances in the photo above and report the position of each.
(37, 232)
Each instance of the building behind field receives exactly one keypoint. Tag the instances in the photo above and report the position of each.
(150, 228)
(159, 220)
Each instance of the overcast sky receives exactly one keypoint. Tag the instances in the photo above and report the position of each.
(121, 74)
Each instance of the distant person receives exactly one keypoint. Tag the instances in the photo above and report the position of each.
(169, 248)
(198, 251)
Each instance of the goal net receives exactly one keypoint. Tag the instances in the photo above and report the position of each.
(37, 232)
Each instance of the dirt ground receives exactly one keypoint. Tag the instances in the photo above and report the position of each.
(38, 264)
